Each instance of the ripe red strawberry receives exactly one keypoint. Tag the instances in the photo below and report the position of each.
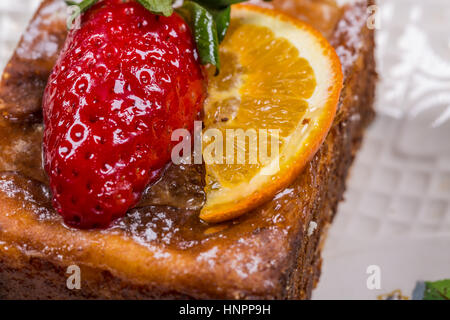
(123, 82)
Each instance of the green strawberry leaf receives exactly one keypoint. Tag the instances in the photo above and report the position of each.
(204, 28)
(438, 290)
(83, 5)
(163, 7)
(209, 21)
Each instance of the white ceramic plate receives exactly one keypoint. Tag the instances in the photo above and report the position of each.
(396, 215)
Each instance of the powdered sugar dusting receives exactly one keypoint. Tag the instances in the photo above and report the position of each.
(31, 195)
(347, 39)
(51, 17)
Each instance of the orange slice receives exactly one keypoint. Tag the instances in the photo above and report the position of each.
(276, 98)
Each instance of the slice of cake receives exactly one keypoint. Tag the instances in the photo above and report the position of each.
(161, 249)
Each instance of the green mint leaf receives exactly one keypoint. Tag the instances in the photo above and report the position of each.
(222, 20)
(438, 290)
(204, 29)
(220, 9)
(163, 7)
